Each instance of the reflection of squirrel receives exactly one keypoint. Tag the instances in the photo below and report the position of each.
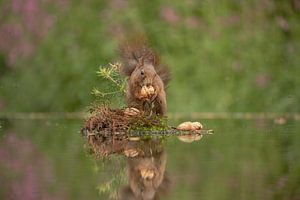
(141, 65)
(146, 171)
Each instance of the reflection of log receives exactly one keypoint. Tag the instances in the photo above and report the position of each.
(172, 131)
(108, 131)
(141, 133)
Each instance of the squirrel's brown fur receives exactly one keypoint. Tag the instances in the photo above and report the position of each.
(142, 65)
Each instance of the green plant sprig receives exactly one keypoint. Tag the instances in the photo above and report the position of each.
(112, 74)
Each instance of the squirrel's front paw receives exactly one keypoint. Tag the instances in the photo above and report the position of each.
(190, 126)
(131, 111)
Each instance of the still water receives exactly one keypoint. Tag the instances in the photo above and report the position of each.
(252, 159)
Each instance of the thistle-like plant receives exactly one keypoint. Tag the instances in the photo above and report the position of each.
(116, 82)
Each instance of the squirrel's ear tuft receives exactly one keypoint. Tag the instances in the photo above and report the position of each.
(129, 62)
(134, 51)
(164, 73)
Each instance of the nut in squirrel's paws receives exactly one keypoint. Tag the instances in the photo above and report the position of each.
(131, 111)
(147, 91)
(190, 126)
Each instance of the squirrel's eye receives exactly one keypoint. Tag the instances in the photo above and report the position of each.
(142, 72)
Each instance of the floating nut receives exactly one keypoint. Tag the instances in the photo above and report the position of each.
(150, 175)
(147, 173)
(189, 126)
(143, 173)
(197, 125)
(185, 126)
(190, 138)
(131, 153)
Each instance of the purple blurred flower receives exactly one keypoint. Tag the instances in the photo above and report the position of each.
(261, 123)
(116, 30)
(192, 22)
(169, 15)
(283, 23)
(282, 182)
(26, 173)
(22, 26)
(118, 4)
(230, 20)
(261, 80)
(296, 4)
(237, 66)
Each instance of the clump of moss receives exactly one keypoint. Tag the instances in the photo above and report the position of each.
(115, 121)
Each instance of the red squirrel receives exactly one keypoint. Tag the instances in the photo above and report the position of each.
(147, 78)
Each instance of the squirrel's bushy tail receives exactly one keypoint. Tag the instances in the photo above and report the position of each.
(137, 52)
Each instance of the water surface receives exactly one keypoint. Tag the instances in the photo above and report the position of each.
(252, 159)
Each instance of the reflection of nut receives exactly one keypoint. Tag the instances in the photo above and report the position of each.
(147, 91)
(131, 111)
(280, 120)
(134, 138)
(190, 126)
(131, 153)
(147, 173)
(189, 138)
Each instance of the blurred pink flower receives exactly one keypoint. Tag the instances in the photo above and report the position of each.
(296, 4)
(116, 30)
(233, 19)
(30, 174)
(261, 80)
(192, 22)
(27, 23)
(261, 123)
(282, 23)
(282, 181)
(237, 66)
(118, 4)
(230, 20)
(169, 15)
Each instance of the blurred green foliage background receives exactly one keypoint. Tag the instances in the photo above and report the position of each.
(224, 55)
